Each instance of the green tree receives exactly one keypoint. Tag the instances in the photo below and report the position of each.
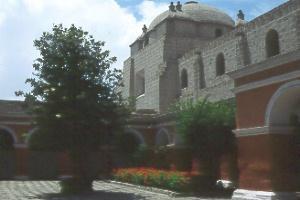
(73, 96)
(206, 127)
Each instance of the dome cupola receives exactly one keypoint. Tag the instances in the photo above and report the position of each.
(194, 11)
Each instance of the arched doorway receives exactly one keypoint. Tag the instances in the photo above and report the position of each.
(283, 121)
(162, 138)
(131, 146)
(7, 153)
(283, 105)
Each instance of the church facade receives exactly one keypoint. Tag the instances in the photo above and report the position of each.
(194, 51)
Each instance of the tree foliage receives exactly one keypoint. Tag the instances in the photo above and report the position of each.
(73, 89)
(206, 126)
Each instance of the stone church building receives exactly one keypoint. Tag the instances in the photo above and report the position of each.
(194, 51)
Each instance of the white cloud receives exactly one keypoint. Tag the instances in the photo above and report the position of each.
(149, 10)
(22, 21)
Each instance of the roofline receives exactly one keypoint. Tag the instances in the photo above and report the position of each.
(183, 19)
(266, 64)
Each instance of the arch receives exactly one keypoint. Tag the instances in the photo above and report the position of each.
(11, 132)
(220, 64)
(162, 137)
(137, 134)
(282, 104)
(184, 79)
(272, 43)
(218, 32)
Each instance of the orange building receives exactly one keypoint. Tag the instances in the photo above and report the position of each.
(268, 100)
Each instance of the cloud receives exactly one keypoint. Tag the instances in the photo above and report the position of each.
(22, 21)
(149, 10)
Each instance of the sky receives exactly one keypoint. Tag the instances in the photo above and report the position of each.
(117, 22)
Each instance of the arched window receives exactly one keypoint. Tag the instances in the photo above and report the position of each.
(220, 65)
(272, 43)
(184, 79)
(218, 32)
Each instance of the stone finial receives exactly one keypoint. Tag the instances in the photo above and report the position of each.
(241, 15)
(144, 29)
(172, 7)
(179, 6)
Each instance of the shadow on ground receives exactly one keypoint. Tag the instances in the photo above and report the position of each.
(103, 195)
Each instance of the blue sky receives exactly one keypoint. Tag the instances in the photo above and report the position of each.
(118, 22)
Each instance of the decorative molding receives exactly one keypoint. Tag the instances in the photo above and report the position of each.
(268, 81)
(20, 146)
(278, 130)
(241, 194)
(15, 123)
(266, 64)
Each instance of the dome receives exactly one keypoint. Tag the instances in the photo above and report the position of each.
(195, 11)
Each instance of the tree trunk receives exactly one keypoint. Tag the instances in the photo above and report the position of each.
(82, 180)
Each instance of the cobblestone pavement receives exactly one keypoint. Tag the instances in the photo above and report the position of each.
(49, 190)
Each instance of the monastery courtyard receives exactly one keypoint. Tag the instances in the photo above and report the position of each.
(49, 190)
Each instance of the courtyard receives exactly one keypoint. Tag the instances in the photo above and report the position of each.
(49, 190)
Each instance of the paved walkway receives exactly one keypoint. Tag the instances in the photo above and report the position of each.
(49, 190)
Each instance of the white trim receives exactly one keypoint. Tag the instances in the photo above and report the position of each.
(162, 130)
(11, 132)
(278, 130)
(276, 95)
(15, 123)
(136, 133)
(268, 81)
(241, 194)
(29, 134)
(151, 126)
(265, 65)
(140, 96)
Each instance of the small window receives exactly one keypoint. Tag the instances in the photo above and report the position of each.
(140, 83)
(218, 32)
(184, 79)
(220, 65)
(272, 43)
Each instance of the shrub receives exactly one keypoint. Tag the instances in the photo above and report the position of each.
(206, 127)
(173, 180)
(143, 156)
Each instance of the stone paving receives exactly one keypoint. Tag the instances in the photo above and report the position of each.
(49, 190)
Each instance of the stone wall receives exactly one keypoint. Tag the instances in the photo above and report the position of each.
(149, 59)
(243, 46)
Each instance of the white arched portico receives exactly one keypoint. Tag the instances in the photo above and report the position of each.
(284, 103)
